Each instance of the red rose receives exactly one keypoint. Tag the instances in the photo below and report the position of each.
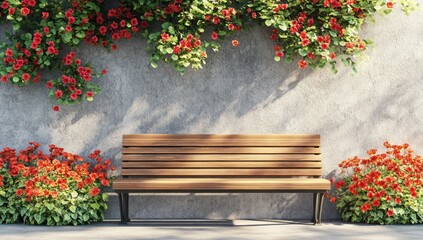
(56, 108)
(389, 4)
(90, 94)
(235, 43)
(390, 212)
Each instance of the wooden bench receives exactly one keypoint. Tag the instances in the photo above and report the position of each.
(221, 163)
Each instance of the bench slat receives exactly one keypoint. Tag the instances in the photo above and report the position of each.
(221, 165)
(221, 157)
(226, 150)
(210, 184)
(133, 140)
(222, 172)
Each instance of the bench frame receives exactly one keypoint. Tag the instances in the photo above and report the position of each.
(318, 199)
(318, 196)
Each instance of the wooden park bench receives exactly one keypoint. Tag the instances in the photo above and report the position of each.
(153, 163)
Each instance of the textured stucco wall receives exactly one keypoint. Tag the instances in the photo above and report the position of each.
(241, 90)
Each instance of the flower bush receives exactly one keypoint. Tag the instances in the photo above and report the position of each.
(58, 188)
(180, 32)
(385, 188)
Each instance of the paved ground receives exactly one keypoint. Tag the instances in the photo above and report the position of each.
(215, 230)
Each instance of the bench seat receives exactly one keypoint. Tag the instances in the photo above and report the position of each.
(221, 184)
(202, 163)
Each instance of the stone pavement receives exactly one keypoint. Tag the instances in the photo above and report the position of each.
(215, 230)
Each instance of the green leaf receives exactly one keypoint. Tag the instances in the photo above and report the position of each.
(303, 52)
(154, 64)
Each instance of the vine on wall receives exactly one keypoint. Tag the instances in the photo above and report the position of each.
(179, 32)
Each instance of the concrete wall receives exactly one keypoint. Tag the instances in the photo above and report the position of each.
(241, 90)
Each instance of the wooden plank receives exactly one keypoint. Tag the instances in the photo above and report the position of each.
(222, 172)
(210, 184)
(234, 165)
(221, 157)
(220, 150)
(220, 140)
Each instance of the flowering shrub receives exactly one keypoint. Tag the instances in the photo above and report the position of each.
(58, 188)
(180, 32)
(385, 188)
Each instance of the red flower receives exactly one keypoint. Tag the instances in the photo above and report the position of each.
(176, 50)
(11, 11)
(376, 203)
(144, 24)
(19, 192)
(56, 108)
(332, 199)
(26, 77)
(25, 11)
(94, 192)
(9, 52)
(235, 43)
(105, 182)
(397, 200)
(88, 181)
(90, 94)
(73, 96)
(215, 35)
(390, 212)
(349, 45)
(279, 54)
(366, 207)
(45, 15)
(216, 20)
(332, 55)
(104, 71)
(58, 93)
(389, 4)
(165, 37)
(302, 64)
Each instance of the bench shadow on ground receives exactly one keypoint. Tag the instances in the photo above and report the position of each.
(202, 223)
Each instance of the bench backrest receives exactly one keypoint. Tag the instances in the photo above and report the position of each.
(204, 155)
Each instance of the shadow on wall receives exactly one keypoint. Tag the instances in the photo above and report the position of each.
(138, 99)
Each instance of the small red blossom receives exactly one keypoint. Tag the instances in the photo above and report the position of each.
(94, 191)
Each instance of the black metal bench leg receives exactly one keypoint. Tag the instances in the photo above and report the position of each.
(315, 208)
(125, 207)
(120, 197)
(322, 198)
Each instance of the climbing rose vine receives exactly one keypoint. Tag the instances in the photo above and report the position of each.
(179, 32)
